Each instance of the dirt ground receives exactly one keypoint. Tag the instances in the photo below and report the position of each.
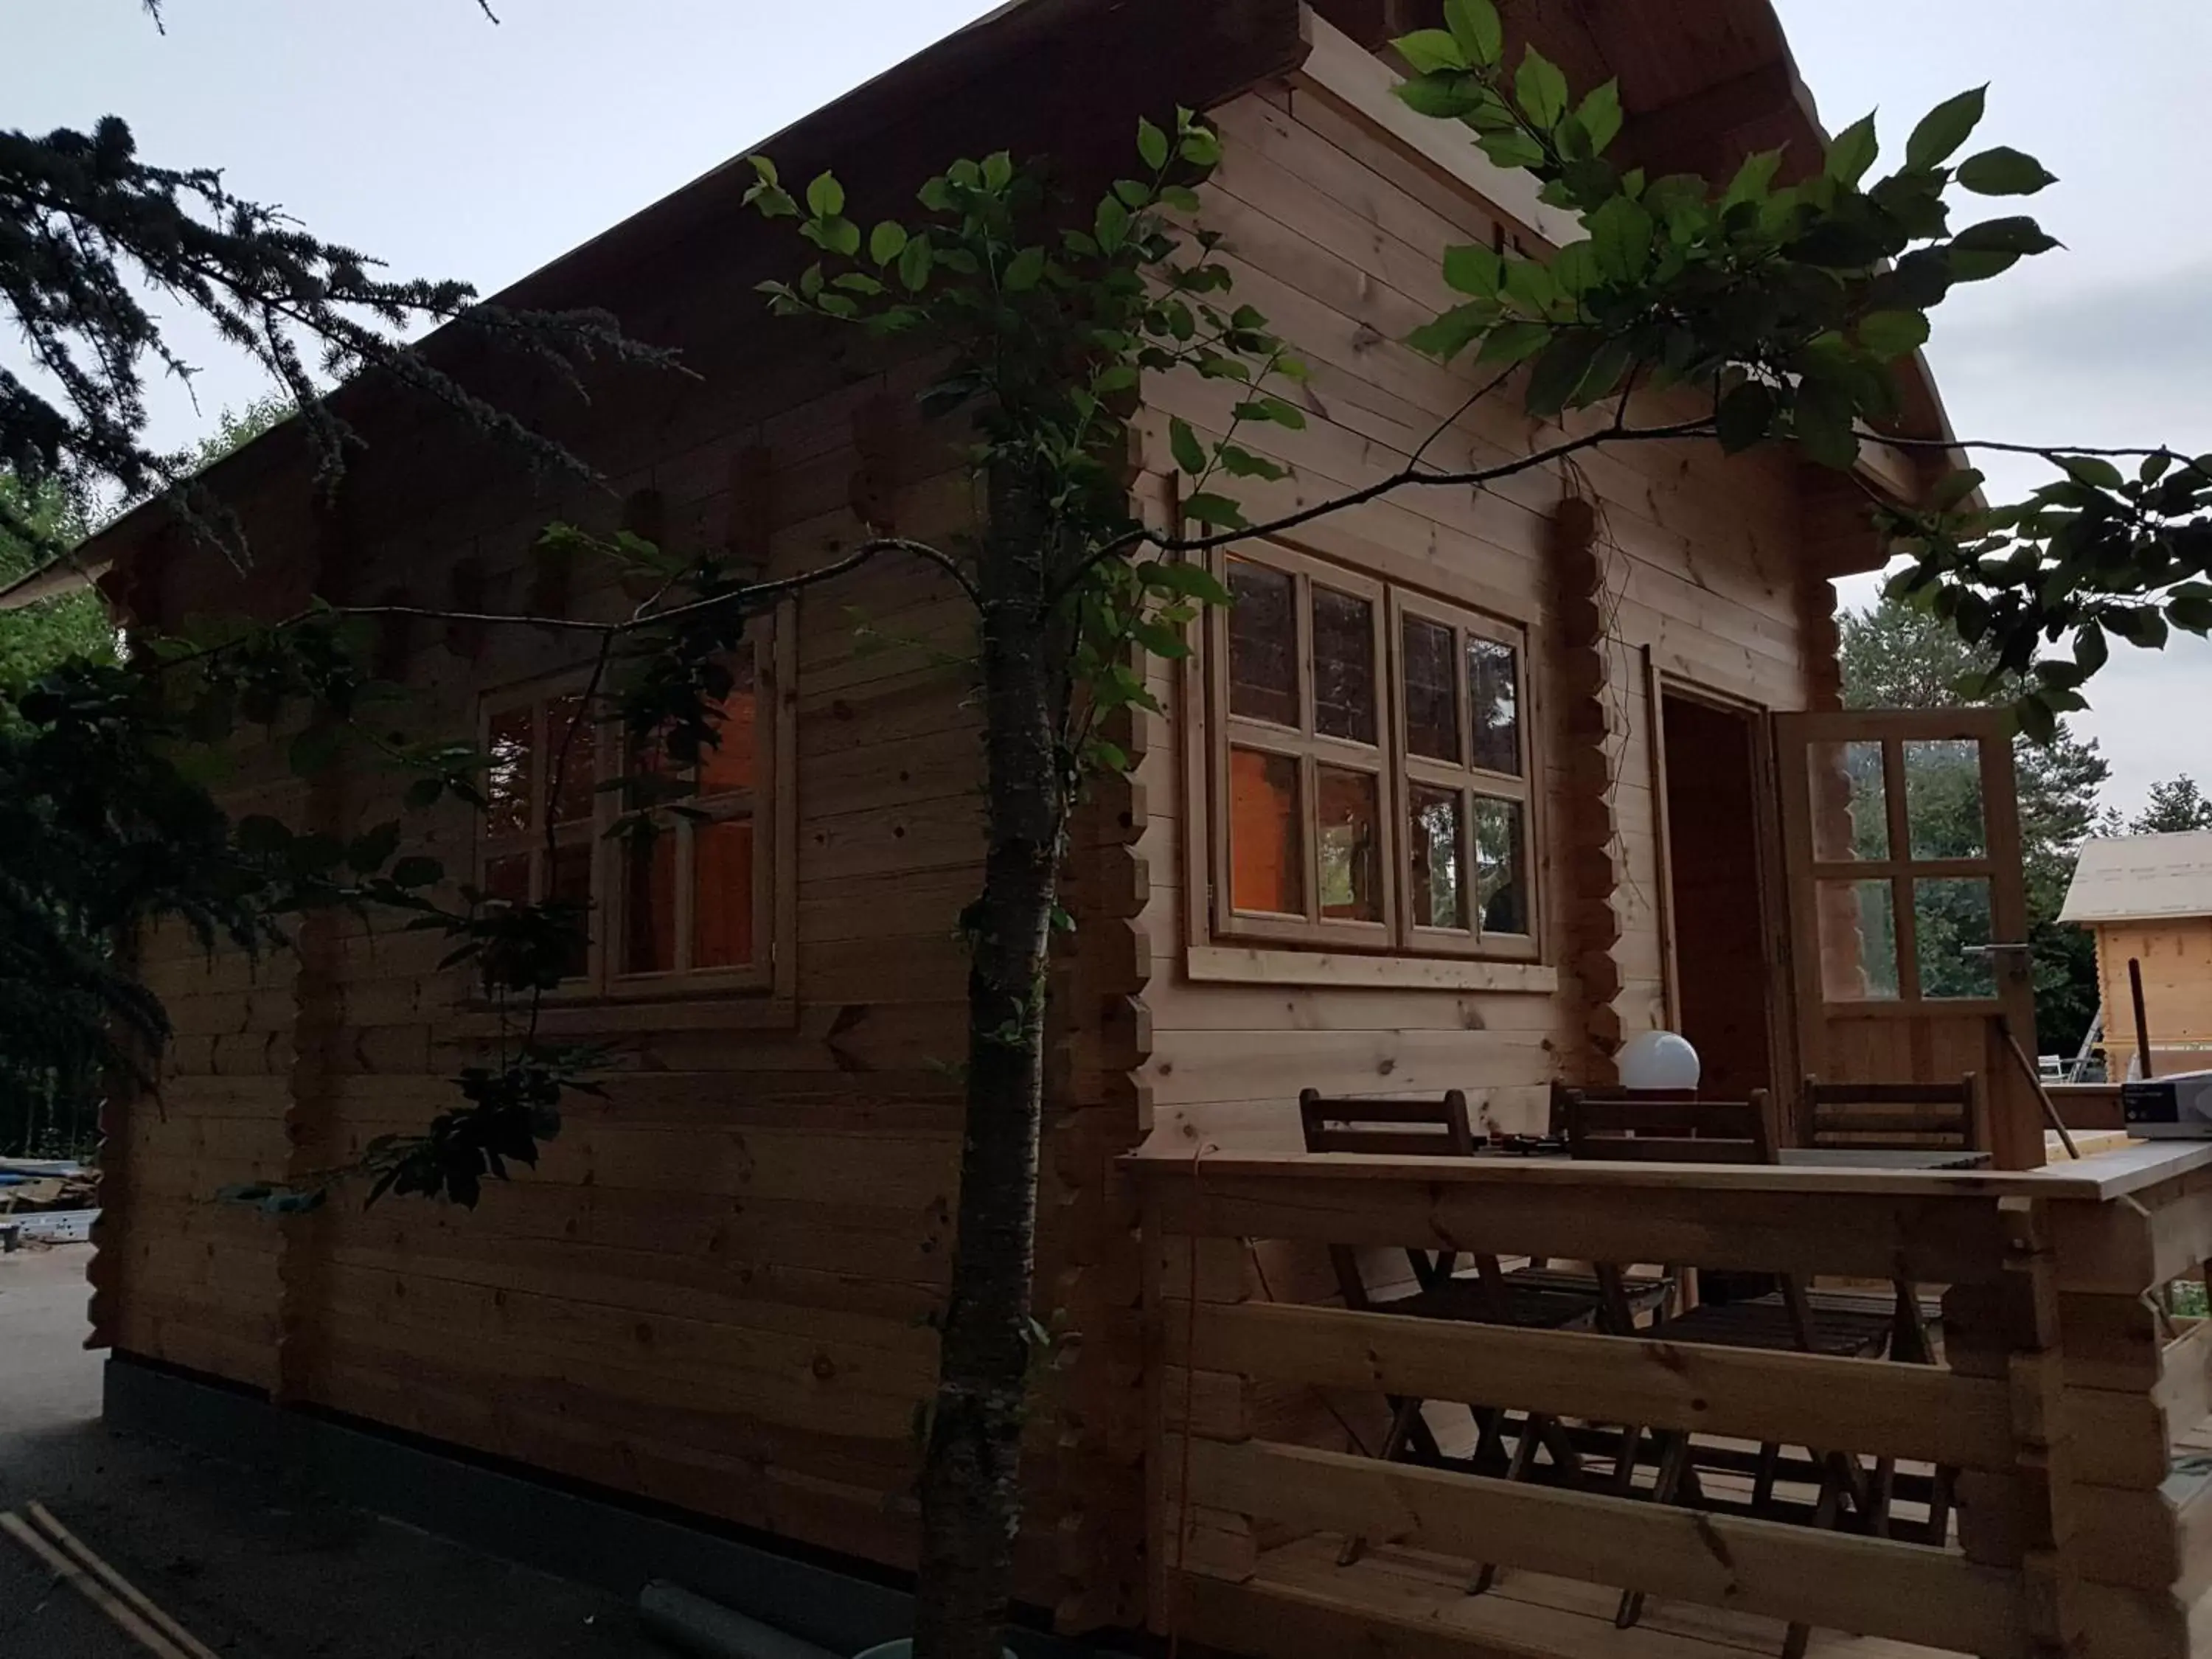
(250, 1570)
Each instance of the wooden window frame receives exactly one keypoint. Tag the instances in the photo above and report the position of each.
(771, 804)
(1469, 782)
(1218, 732)
(1311, 750)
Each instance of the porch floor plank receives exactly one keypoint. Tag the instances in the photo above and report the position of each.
(1533, 1613)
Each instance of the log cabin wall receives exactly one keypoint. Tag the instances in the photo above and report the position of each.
(2176, 954)
(716, 1290)
(1659, 559)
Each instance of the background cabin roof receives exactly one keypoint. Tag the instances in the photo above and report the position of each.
(1704, 83)
(2141, 879)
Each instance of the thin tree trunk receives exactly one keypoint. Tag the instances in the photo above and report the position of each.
(970, 1482)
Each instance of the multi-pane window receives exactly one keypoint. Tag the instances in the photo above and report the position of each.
(673, 862)
(1370, 767)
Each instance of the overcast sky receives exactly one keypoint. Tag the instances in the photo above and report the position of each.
(418, 131)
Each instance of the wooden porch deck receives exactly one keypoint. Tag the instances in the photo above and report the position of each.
(2078, 1417)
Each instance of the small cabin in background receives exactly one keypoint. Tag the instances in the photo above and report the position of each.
(2149, 900)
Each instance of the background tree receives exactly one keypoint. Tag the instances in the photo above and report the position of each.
(1897, 656)
(2175, 805)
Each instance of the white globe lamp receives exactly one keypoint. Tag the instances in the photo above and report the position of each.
(1659, 1060)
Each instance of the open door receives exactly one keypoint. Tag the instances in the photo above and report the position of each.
(1907, 906)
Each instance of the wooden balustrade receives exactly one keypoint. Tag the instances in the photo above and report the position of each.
(2064, 1400)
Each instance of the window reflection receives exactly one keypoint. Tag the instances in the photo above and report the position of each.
(1350, 844)
(1439, 895)
(1343, 666)
(1493, 697)
(1432, 691)
(1263, 644)
(1501, 862)
(1266, 853)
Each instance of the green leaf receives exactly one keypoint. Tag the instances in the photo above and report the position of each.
(886, 241)
(1189, 453)
(372, 847)
(1511, 148)
(998, 170)
(1474, 24)
(1112, 228)
(1431, 49)
(914, 263)
(2091, 470)
(2016, 235)
(2189, 612)
(1201, 148)
(1152, 144)
(1954, 488)
(1189, 581)
(1889, 334)
(1944, 128)
(416, 871)
(1540, 89)
(1474, 269)
(1218, 511)
(1024, 270)
(1514, 343)
(1453, 332)
(1823, 425)
(1560, 369)
(1853, 152)
(825, 197)
(2139, 625)
(1440, 96)
(2004, 172)
(1601, 116)
(1241, 463)
(1744, 416)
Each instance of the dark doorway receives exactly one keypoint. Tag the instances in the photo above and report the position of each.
(1723, 982)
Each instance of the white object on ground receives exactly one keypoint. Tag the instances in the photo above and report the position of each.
(1660, 1059)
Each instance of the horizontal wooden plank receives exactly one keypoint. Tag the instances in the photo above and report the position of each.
(1703, 1216)
(1869, 1407)
(1906, 1591)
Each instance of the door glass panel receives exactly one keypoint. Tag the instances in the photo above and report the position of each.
(1951, 918)
(1501, 865)
(1858, 941)
(507, 780)
(1493, 697)
(1850, 804)
(1432, 695)
(722, 893)
(1943, 797)
(1350, 844)
(1266, 853)
(1263, 644)
(1343, 666)
(1439, 896)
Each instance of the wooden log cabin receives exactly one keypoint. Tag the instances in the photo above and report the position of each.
(1579, 774)
(2148, 900)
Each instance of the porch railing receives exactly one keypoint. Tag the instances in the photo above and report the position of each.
(2061, 1395)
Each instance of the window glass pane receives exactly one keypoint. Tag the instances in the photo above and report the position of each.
(722, 894)
(730, 765)
(1263, 644)
(1943, 797)
(1343, 666)
(649, 904)
(1432, 695)
(1266, 853)
(1851, 801)
(1439, 895)
(1858, 941)
(569, 878)
(509, 878)
(1951, 923)
(1501, 865)
(507, 780)
(1493, 697)
(1350, 844)
(572, 759)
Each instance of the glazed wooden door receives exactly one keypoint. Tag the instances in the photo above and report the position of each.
(1908, 908)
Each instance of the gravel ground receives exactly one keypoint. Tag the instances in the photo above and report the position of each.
(250, 1570)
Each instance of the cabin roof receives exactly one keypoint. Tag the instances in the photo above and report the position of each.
(1704, 82)
(2141, 879)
